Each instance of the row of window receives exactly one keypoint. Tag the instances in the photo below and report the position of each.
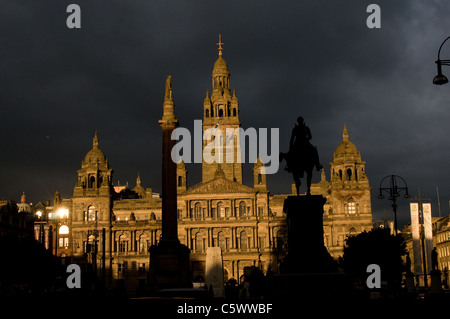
(221, 211)
(92, 215)
(120, 246)
(444, 251)
(347, 175)
(243, 242)
(221, 113)
(122, 268)
(445, 265)
(92, 182)
(443, 237)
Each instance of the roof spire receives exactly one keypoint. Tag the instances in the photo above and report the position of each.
(220, 45)
(138, 180)
(345, 133)
(95, 140)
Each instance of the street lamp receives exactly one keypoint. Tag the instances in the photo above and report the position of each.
(440, 78)
(394, 191)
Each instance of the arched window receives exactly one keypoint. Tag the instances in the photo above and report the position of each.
(180, 181)
(259, 178)
(221, 240)
(243, 240)
(63, 230)
(198, 210)
(91, 244)
(92, 182)
(221, 113)
(280, 239)
(234, 111)
(350, 206)
(349, 174)
(242, 209)
(207, 113)
(123, 244)
(91, 214)
(143, 243)
(340, 174)
(198, 241)
(220, 210)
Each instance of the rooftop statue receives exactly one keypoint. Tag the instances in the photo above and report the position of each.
(302, 155)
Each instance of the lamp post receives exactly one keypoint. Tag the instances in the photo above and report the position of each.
(440, 79)
(394, 191)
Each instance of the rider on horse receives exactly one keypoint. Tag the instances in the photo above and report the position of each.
(300, 143)
(302, 155)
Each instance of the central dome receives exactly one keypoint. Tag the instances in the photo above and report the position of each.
(346, 149)
(220, 67)
(95, 155)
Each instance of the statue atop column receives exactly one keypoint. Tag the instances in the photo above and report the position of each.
(302, 155)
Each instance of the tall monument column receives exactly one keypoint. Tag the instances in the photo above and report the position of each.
(169, 260)
(169, 169)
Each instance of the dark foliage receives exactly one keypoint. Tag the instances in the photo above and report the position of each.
(379, 247)
(26, 266)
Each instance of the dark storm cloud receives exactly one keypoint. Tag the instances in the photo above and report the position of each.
(311, 58)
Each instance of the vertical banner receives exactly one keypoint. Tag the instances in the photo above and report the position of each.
(427, 223)
(414, 207)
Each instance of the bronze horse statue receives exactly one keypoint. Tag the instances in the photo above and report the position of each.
(302, 156)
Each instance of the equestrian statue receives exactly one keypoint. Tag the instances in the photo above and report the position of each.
(302, 155)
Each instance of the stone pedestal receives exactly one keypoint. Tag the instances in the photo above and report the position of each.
(436, 285)
(409, 283)
(214, 271)
(169, 266)
(306, 250)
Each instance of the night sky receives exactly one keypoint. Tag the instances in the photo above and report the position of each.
(317, 59)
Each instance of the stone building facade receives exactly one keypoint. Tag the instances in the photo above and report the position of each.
(111, 229)
(441, 242)
(347, 210)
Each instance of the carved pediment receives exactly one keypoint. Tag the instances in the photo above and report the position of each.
(219, 186)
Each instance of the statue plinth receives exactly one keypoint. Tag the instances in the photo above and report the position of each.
(306, 250)
(169, 265)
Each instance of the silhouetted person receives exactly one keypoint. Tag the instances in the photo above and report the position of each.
(408, 263)
(434, 259)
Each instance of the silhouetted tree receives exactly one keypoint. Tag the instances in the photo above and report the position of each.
(379, 247)
(231, 289)
(257, 283)
(25, 263)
